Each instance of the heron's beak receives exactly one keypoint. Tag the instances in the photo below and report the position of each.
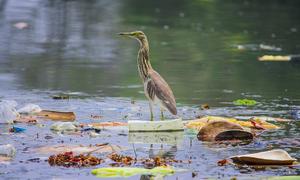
(124, 34)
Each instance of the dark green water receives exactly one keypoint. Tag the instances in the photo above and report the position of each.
(73, 46)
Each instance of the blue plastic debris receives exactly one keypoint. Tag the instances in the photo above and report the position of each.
(17, 129)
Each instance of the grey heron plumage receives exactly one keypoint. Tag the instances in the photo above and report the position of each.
(156, 88)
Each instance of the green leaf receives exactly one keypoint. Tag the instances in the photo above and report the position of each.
(244, 102)
(128, 171)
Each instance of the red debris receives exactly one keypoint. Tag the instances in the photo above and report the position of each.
(256, 125)
(222, 162)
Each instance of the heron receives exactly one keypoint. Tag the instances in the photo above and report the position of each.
(156, 88)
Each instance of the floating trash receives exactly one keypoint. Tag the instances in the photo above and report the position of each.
(65, 126)
(102, 125)
(30, 109)
(279, 58)
(7, 150)
(217, 130)
(250, 123)
(234, 134)
(282, 178)
(15, 129)
(130, 171)
(97, 148)
(8, 111)
(154, 126)
(69, 159)
(26, 119)
(90, 129)
(21, 25)
(57, 116)
(157, 161)
(257, 47)
(273, 157)
(269, 48)
(124, 160)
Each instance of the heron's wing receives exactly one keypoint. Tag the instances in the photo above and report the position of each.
(159, 87)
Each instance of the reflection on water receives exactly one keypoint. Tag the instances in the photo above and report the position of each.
(171, 138)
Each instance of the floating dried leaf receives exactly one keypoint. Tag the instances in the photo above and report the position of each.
(68, 159)
(147, 162)
(199, 123)
(56, 115)
(126, 160)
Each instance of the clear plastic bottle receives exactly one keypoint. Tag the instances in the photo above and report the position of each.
(7, 150)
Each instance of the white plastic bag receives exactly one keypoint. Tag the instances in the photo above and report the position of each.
(64, 126)
(7, 150)
(8, 111)
(30, 109)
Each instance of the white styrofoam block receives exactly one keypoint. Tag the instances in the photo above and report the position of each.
(152, 126)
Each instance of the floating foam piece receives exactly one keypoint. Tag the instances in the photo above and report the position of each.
(156, 126)
(273, 157)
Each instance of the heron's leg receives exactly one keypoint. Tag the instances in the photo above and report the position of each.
(162, 117)
(151, 111)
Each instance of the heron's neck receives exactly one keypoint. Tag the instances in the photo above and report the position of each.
(143, 60)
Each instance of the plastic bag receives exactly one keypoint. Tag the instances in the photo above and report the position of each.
(30, 109)
(64, 126)
(8, 111)
(7, 150)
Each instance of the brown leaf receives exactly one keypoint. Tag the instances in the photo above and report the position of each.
(68, 159)
(56, 115)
